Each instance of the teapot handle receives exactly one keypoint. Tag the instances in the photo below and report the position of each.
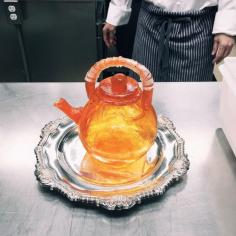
(145, 76)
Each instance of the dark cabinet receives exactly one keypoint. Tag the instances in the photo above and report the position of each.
(62, 40)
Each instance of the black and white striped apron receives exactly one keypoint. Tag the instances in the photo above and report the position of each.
(175, 46)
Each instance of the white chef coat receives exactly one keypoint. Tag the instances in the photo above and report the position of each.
(225, 21)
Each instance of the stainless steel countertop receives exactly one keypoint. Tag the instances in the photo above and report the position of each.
(202, 203)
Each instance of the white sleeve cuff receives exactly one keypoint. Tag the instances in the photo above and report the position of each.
(118, 15)
(225, 22)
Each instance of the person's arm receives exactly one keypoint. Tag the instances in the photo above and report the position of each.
(224, 29)
(119, 12)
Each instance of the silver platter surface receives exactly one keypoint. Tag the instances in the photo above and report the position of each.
(60, 153)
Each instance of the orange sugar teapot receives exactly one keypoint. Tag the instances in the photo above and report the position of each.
(118, 125)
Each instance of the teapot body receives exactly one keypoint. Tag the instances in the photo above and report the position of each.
(115, 134)
(117, 126)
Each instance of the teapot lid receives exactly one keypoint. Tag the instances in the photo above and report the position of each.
(119, 90)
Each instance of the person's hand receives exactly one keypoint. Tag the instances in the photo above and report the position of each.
(109, 35)
(222, 47)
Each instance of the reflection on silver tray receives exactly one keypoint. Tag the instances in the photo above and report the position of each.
(60, 152)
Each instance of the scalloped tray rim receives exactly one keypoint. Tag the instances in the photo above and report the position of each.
(48, 178)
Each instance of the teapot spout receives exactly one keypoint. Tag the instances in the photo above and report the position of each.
(72, 112)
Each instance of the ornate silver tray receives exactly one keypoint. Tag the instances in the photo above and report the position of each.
(60, 152)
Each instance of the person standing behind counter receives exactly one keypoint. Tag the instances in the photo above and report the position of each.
(177, 40)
